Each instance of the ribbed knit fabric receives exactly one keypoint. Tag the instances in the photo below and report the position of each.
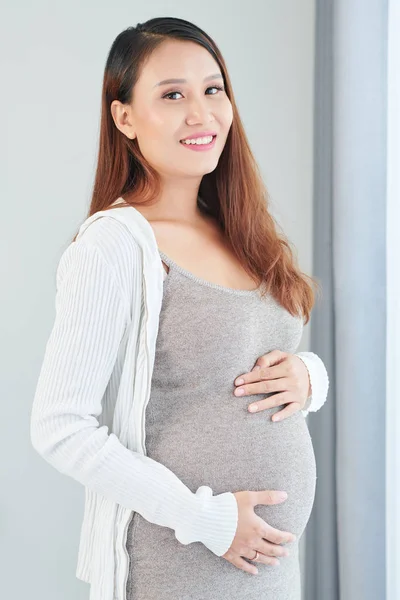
(81, 355)
(87, 413)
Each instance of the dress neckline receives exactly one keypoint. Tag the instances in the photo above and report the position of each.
(205, 282)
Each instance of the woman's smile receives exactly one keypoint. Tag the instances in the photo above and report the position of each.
(200, 144)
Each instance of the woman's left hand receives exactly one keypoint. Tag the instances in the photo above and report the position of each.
(277, 371)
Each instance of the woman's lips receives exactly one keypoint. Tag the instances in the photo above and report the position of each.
(200, 147)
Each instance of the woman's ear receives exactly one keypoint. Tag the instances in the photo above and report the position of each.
(122, 116)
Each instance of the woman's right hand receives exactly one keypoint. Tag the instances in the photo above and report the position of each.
(253, 533)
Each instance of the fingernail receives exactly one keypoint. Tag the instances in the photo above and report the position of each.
(253, 407)
(283, 495)
(239, 381)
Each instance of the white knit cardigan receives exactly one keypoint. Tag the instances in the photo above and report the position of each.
(88, 411)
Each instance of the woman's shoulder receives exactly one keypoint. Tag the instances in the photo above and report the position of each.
(107, 246)
(112, 238)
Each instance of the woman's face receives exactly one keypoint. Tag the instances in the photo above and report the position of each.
(162, 114)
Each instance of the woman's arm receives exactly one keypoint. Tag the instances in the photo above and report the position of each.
(91, 320)
(319, 381)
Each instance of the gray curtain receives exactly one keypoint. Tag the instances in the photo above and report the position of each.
(345, 537)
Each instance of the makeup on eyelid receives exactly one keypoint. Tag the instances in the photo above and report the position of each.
(217, 87)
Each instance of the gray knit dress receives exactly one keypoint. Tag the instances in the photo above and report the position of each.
(208, 335)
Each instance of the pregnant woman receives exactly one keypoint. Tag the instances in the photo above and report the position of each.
(157, 360)
(195, 426)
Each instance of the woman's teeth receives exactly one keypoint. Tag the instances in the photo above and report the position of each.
(199, 141)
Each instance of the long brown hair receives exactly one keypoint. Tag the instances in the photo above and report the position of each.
(234, 193)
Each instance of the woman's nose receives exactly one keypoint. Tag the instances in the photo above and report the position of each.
(198, 112)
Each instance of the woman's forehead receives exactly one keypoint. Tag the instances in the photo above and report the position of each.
(179, 60)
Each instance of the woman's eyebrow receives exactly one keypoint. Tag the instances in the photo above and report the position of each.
(165, 81)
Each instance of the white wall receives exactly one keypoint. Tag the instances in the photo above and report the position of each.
(52, 65)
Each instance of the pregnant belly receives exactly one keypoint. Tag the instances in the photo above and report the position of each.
(226, 447)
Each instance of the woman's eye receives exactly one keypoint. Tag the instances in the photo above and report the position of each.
(213, 87)
(170, 94)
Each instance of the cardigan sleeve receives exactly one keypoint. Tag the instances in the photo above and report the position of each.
(319, 380)
(91, 320)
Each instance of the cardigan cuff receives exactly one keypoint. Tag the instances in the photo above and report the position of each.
(319, 380)
(213, 522)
